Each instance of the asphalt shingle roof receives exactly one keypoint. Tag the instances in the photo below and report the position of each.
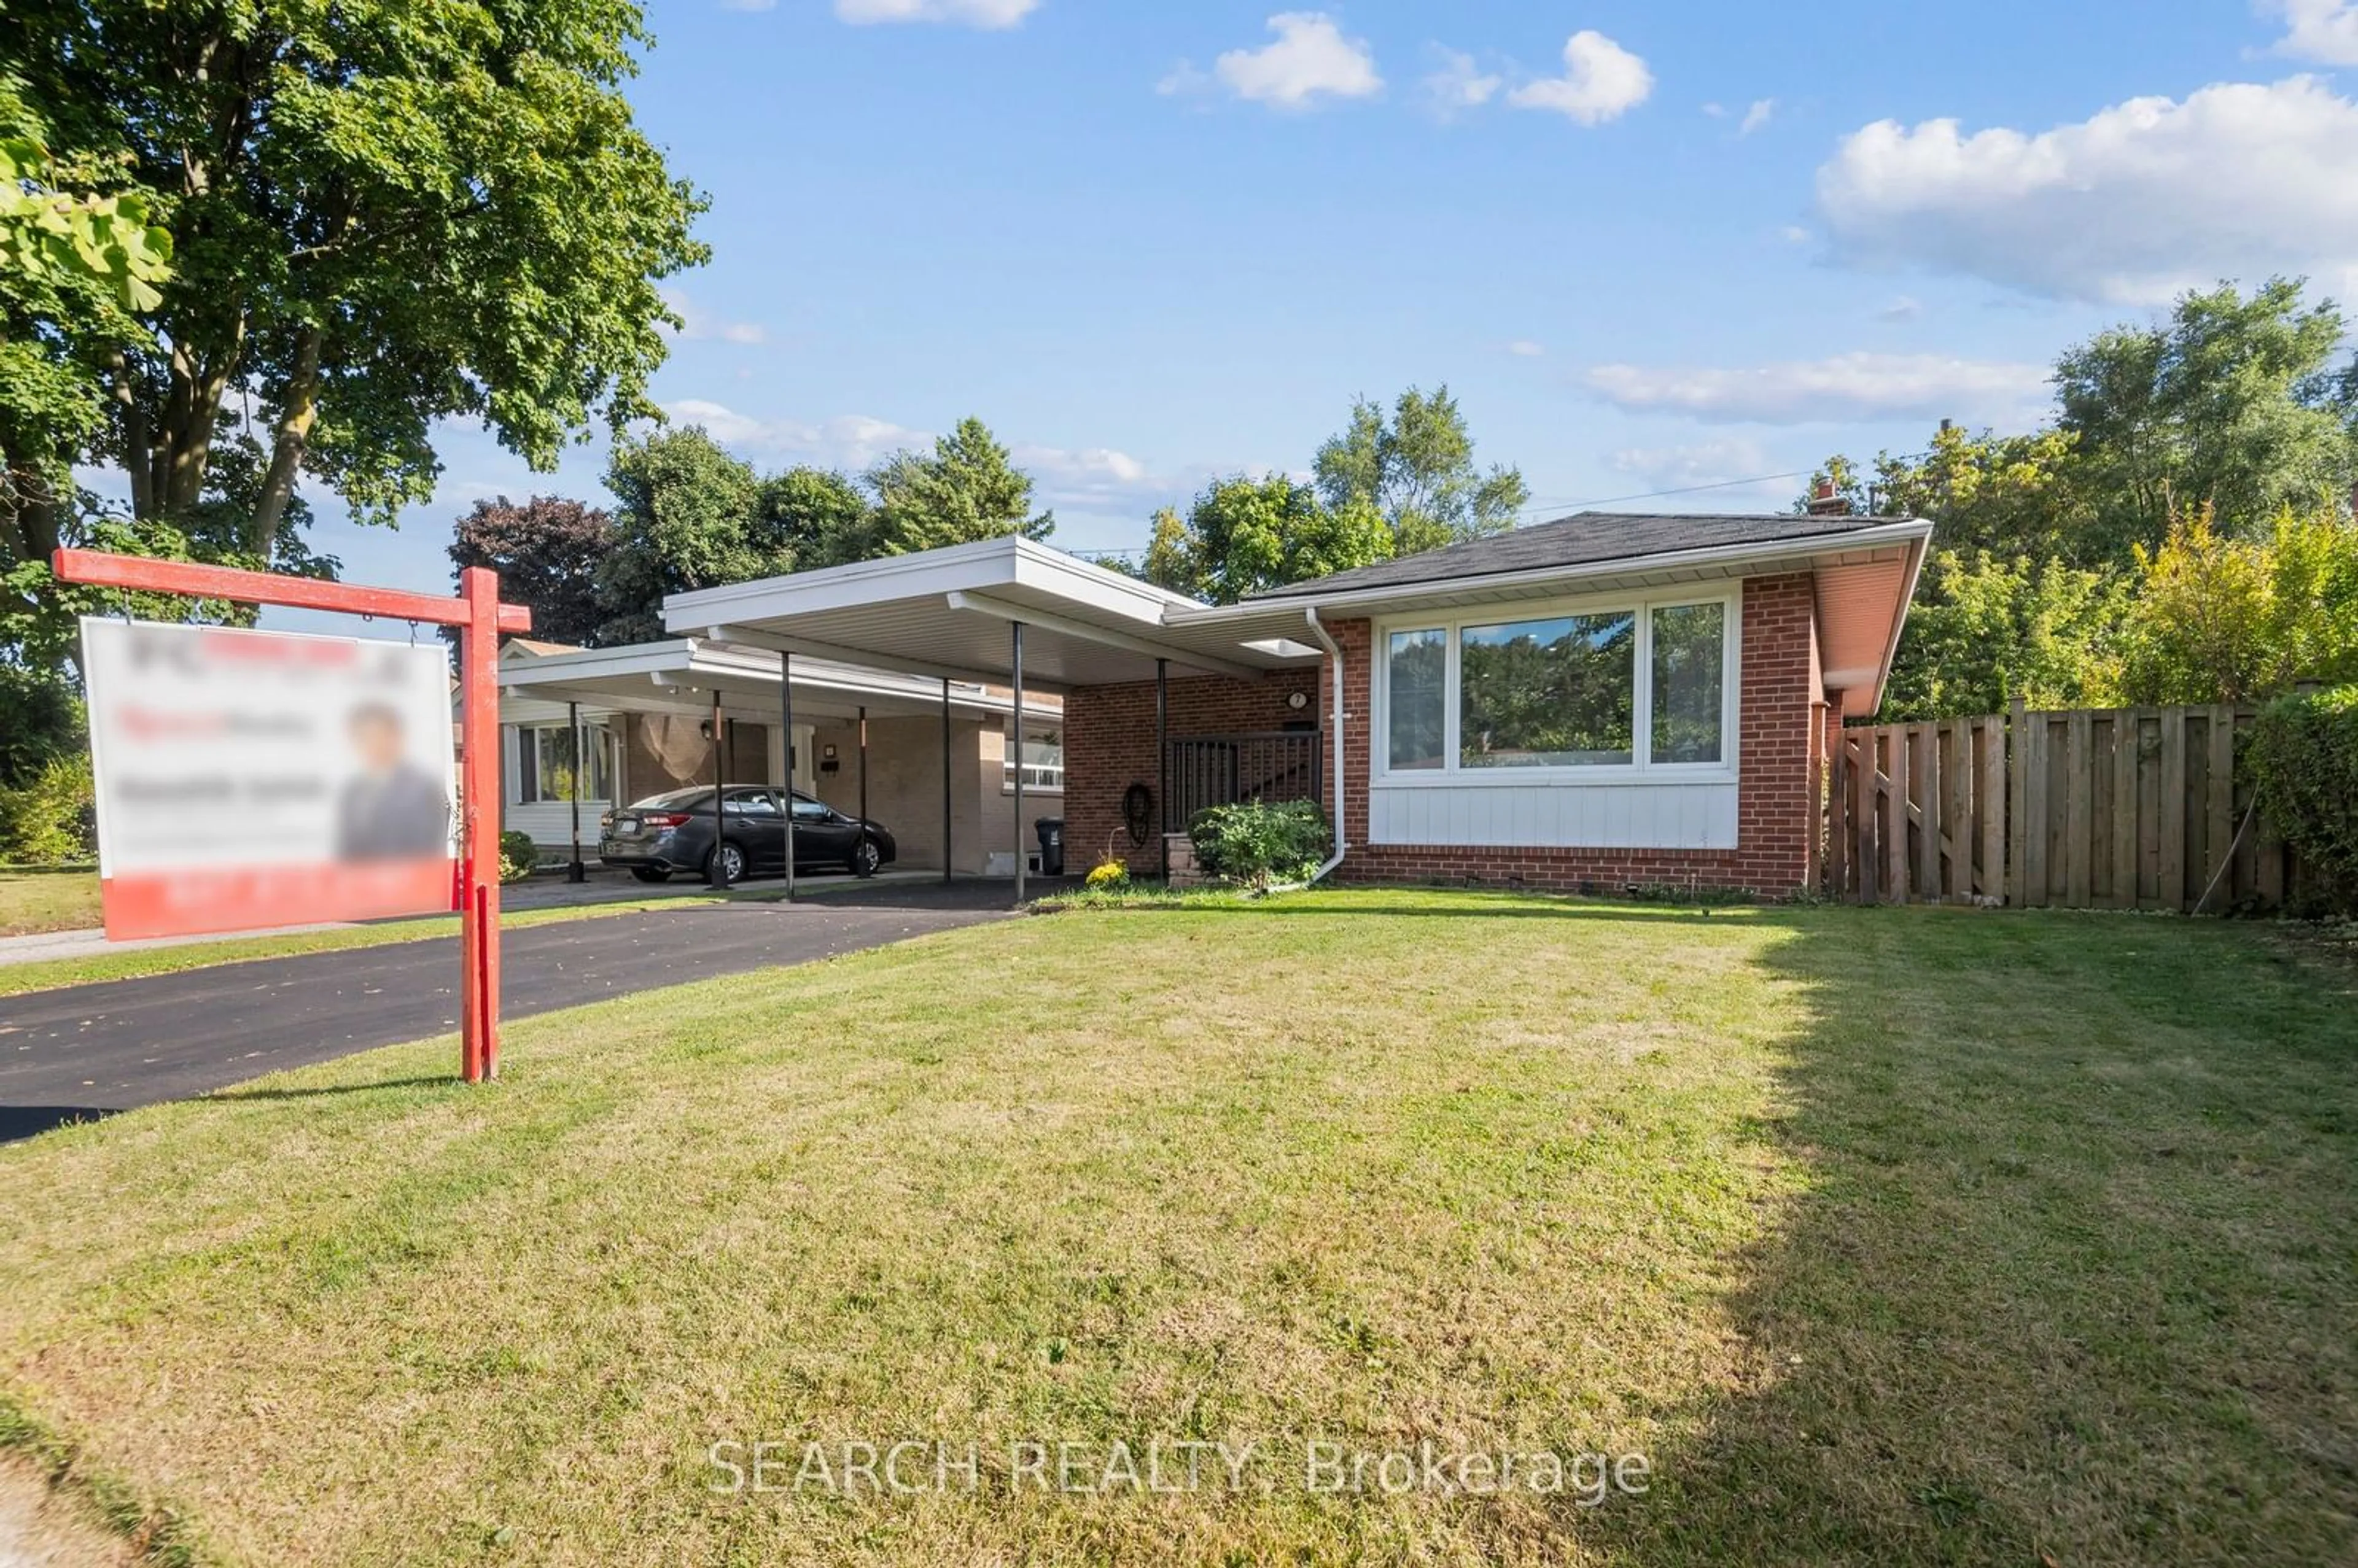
(1579, 539)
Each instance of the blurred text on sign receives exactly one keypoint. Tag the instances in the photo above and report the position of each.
(257, 779)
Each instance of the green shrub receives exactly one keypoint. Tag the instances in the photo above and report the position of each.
(2304, 760)
(1257, 844)
(52, 818)
(518, 856)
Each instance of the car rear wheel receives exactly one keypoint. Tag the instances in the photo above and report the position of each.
(732, 864)
(865, 857)
(651, 873)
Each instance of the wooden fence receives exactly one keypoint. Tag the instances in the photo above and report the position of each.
(2108, 808)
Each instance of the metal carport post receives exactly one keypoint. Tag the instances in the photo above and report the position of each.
(1017, 630)
(716, 874)
(946, 780)
(786, 757)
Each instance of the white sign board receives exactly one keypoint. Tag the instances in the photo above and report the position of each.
(256, 779)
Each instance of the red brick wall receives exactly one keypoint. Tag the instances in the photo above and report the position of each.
(1780, 743)
(1110, 745)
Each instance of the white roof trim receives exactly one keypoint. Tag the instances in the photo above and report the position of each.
(1010, 562)
(1758, 555)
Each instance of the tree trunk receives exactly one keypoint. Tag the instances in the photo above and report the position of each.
(293, 435)
(137, 458)
(197, 390)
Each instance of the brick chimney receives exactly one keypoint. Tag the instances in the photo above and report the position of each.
(1826, 503)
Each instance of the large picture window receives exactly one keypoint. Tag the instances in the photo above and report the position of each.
(1548, 694)
(1588, 690)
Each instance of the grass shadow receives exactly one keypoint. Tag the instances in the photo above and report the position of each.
(317, 1091)
(21, 1121)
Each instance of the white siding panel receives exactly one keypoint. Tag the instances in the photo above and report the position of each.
(1652, 815)
(550, 822)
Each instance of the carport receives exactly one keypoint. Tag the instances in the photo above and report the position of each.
(728, 690)
(1005, 610)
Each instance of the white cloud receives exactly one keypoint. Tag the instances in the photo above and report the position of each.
(1756, 118)
(1704, 462)
(990, 14)
(1524, 349)
(1715, 111)
(2131, 206)
(1458, 84)
(696, 326)
(1601, 82)
(1088, 478)
(847, 441)
(2323, 30)
(1310, 60)
(1906, 308)
(1793, 234)
(1844, 386)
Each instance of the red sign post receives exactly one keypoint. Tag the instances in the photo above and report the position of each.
(480, 618)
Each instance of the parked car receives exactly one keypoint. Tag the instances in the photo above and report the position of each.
(672, 832)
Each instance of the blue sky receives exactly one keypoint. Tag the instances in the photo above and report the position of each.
(1648, 246)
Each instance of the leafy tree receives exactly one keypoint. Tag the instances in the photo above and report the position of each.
(381, 214)
(1416, 469)
(2229, 404)
(812, 516)
(1247, 535)
(2013, 495)
(2215, 619)
(1986, 629)
(547, 552)
(75, 264)
(966, 489)
(683, 519)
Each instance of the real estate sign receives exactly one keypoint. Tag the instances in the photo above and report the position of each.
(254, 779)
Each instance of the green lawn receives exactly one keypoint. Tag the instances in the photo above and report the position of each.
(47, 901)
(1886, 1235)
(123, 964)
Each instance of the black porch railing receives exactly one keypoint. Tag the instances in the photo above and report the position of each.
(1276, 766)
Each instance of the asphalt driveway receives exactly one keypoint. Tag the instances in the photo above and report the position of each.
(86, 1050)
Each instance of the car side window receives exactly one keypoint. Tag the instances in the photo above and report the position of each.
(752, 803)
(808, 810)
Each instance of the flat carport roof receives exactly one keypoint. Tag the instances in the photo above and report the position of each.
(681, 675)
(950, 612)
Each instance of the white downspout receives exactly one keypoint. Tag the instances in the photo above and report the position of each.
(1318, 630)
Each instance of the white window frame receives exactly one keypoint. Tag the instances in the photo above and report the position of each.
(524, 733)
(1452, 621)
(1009, 754)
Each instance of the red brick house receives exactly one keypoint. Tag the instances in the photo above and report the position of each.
(1602, 701)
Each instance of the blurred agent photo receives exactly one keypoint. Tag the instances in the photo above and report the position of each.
(392, 810)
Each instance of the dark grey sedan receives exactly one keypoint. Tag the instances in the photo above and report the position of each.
(667, 833)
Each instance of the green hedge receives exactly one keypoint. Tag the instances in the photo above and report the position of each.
(2304, 760)
(1257, 844)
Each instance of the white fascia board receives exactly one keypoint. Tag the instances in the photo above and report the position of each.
(599, 664)
(1001, 610)
(1922, 548)
(1749, 559)
(983, 565)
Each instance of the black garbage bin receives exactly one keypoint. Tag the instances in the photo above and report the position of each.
(1051, 845)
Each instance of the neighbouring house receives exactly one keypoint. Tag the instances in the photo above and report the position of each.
(1603, 701)
(584, 729)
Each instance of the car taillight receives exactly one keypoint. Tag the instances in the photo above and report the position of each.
(663, 818)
